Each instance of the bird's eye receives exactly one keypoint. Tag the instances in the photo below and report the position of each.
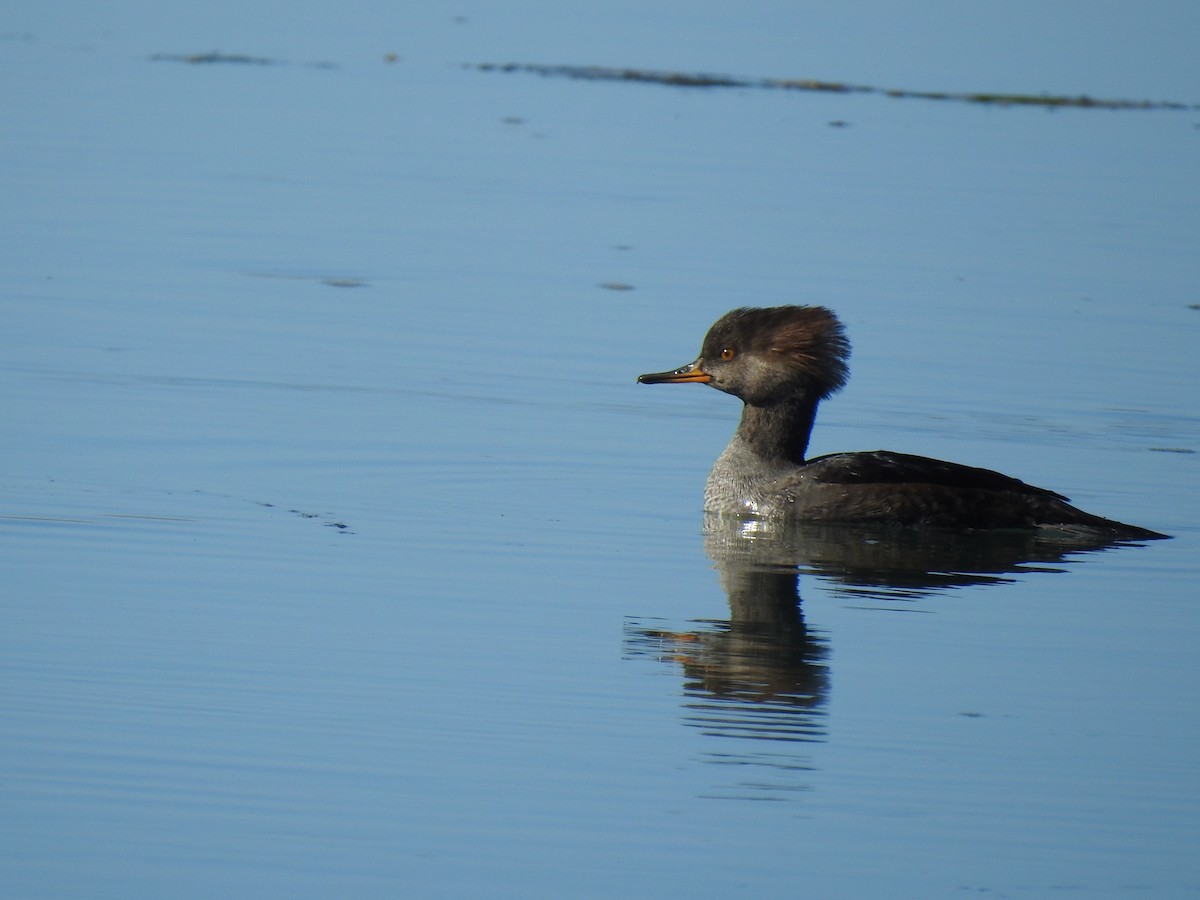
(727, 354)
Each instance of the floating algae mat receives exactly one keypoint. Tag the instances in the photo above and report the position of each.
(684, 79)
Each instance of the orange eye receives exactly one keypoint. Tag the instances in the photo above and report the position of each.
(727, 354)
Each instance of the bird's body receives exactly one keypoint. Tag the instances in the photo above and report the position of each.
(782, 362)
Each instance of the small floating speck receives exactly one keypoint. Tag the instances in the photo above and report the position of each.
(616, 286)
(212, 57)
(344, 282)
(1171, 450)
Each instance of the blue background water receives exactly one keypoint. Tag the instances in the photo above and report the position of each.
(336, 533)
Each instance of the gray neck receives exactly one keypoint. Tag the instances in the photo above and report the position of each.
(778, 433)
(769, 442)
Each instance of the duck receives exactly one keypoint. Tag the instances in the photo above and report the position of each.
(781, 362)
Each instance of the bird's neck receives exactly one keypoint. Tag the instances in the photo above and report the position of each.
(778, 433)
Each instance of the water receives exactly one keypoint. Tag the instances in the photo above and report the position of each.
(343, 556)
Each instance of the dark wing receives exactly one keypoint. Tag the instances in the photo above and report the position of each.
(886, 467)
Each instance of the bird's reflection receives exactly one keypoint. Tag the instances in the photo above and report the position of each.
(762, 675)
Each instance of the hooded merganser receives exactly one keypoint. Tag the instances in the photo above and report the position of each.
(782, 362)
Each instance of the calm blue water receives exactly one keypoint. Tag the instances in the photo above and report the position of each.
(343, 556)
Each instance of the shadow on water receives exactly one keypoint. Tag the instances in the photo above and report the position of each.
(762, 675)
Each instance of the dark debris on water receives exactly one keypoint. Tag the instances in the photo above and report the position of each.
(214, 57)
(701, 80)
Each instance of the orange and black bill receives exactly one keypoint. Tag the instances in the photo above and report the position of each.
(690, 372)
